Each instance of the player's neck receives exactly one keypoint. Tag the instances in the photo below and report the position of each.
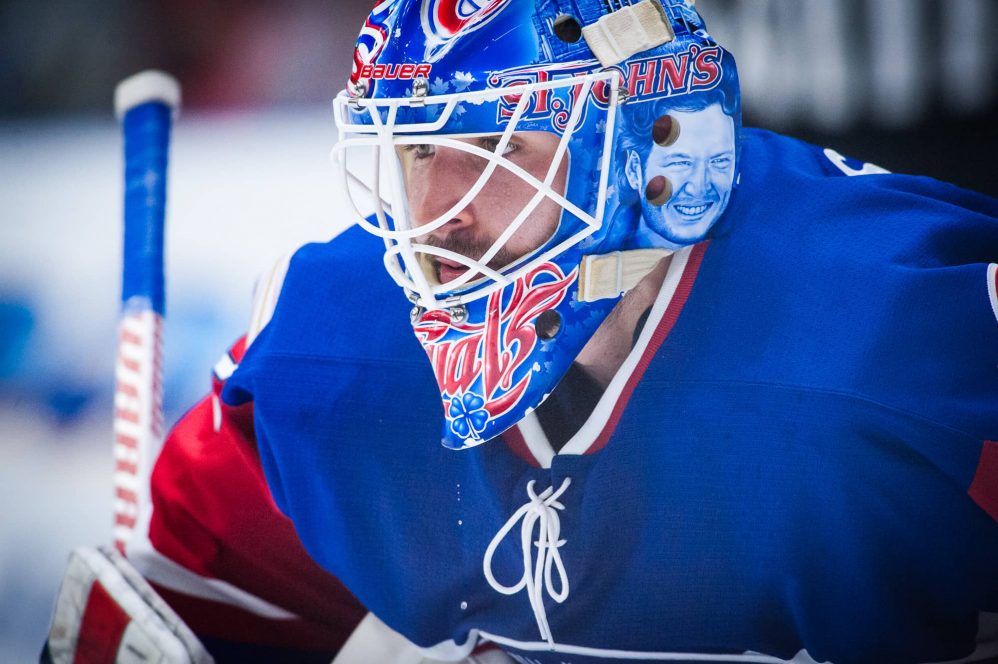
(610, 346)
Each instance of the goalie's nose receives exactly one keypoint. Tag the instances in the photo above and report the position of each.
(437, 183)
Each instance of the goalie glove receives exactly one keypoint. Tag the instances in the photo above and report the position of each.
(106, 613)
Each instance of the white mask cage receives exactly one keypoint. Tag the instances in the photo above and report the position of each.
(384, 191)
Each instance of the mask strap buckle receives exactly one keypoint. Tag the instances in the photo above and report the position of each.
(627, 31)
(613, 274)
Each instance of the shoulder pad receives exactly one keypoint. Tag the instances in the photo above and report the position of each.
(265, 294)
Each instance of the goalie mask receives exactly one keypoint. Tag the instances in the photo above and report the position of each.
(513, 155)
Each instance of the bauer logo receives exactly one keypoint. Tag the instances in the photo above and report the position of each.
(391, 72)
(446, 21)
(478, 380)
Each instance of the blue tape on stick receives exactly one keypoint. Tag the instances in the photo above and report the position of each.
(147, 139)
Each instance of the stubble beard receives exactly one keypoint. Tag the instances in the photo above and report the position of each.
(468, 246)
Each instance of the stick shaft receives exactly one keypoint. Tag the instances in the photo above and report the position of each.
(147, 138)
(146, 109)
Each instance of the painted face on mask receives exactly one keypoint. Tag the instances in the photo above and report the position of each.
(700, 168)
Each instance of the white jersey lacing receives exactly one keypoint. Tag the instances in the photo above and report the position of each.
(540, 511)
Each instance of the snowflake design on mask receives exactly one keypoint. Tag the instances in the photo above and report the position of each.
(468, 415)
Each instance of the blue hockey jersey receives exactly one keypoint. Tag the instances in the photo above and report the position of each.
(794, 462)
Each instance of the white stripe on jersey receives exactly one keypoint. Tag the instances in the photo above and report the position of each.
(224, 367)
(756, 658)
(374, 641)
(591, 429)
(159, 569)
(993, 287)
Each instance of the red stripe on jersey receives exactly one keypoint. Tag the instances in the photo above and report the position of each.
(103, 625)
(515, 441)
(214, 515)
(984, 488)
(238, 350)
(661, 332)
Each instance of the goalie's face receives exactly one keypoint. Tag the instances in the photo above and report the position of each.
(437, 177)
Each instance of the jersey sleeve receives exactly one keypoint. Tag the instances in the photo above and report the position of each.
(219, 551)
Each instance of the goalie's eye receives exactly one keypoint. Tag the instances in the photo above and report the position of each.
(420, 150)
(490, 143)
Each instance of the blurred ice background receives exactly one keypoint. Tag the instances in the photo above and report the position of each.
(909, 84)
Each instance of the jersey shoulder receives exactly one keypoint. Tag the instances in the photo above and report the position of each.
(814, 209)
(333, 299)
(842, 277)
(339, 327)
(771, 162)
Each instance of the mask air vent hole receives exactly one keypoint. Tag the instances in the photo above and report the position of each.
(567, 29)
(658, 190)
(665, 131)
(548, 324)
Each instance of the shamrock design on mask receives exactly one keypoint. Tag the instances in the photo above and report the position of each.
(468, 415)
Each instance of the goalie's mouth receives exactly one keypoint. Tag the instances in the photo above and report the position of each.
(448, 270)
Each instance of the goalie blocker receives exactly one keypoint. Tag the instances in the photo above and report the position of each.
(106, 613)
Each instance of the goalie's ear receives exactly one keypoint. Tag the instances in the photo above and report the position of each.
(107, 613)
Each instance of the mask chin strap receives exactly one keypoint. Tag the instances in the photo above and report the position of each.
(628, 31)
(613, 274)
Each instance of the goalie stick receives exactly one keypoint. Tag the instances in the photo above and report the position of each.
(146, 105)
(106, 613)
